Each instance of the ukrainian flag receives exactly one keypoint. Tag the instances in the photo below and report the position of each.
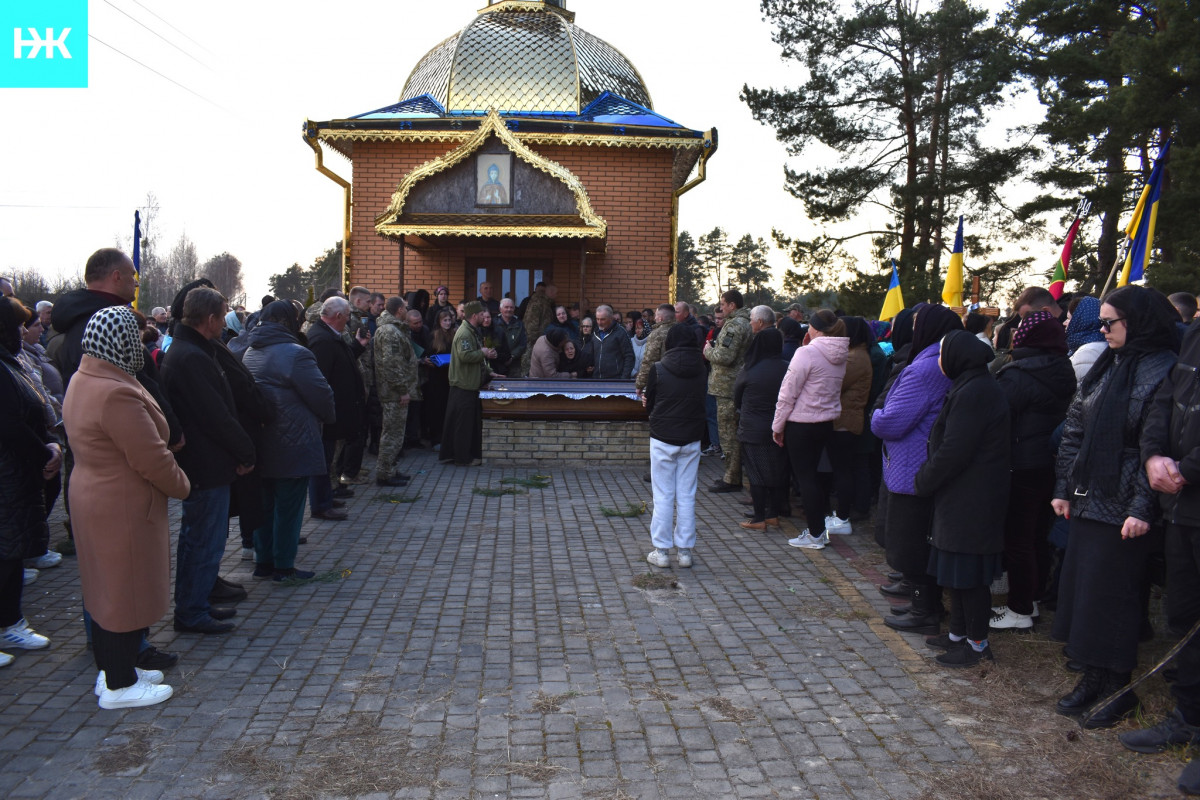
(893, 303)
(1141, 227)
(952, 289)
(137, 252)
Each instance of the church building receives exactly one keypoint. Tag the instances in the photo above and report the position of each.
(522, 149)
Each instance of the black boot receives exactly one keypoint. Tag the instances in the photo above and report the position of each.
(923, 618)
(1086, 692)
(1111, 714)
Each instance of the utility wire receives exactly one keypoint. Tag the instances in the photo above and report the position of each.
(160, 36)
(172, 27)
(156, 72)
(31, 205)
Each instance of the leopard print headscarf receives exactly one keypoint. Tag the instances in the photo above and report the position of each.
(113, 335)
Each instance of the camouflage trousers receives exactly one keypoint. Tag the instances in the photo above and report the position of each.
(391, 440)
(727, 424)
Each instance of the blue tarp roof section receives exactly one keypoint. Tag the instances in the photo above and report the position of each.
(608, 108)
(420, 107)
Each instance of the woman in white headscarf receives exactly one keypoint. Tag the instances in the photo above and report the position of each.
(119, 488)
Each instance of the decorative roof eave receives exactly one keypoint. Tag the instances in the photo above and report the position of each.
(488, 225)
(343, 141)
(492, 125)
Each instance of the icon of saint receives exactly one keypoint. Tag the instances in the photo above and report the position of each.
(493, 192)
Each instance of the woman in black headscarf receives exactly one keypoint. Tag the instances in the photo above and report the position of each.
(754, 395)
(966, 474)
(1102, 488)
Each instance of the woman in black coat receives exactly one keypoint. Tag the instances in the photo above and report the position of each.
(754, 395)
(1102, 488)
(966, 474)
(1039, 383)
(29, 455)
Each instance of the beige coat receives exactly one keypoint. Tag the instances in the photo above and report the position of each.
(544, 361)
(119, 488)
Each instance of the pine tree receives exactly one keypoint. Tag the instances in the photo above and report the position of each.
(689, 280)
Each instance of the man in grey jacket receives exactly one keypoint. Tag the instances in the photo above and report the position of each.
(612, 352)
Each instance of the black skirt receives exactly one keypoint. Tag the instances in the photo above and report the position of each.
(964, 570)
(765, 464)
(909, 522)
(1099, 612)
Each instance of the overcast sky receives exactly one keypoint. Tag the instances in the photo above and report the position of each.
(216, 134)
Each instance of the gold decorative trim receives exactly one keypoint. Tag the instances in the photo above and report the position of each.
(468, 230)
(528, 6)
(493, 125)
(336, 137)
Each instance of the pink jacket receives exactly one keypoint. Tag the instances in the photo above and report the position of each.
(812, 388)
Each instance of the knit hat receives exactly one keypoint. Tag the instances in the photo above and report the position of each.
(113, 335)
(1041, 330)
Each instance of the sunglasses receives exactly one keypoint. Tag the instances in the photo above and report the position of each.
(1106, 324)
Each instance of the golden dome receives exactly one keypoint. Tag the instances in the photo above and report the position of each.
(524, 56)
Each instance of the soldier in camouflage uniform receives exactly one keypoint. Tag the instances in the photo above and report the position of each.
(396, 382)
(664, 318)
(538, 314)
(725, 353)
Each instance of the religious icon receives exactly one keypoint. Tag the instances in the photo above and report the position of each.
(493, 179)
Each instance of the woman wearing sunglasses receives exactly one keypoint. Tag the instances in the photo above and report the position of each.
(1101, 488)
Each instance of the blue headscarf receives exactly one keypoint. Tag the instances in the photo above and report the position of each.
(232, 322)
(1084, 326)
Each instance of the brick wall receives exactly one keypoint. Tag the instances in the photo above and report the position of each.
(566, 443)
(630, 188)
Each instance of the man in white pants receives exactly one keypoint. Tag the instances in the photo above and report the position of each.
(674, 398)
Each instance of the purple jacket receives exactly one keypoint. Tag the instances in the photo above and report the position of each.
(907, 417)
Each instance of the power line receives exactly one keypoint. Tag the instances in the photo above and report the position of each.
(32, 205)
(160, 36)
(172, 27)
(156, 72)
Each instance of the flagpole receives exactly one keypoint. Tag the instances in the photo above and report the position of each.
(1112, 272)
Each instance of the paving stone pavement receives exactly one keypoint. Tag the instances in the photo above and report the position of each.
(464, 646)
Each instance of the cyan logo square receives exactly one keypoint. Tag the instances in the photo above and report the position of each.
(43, 44)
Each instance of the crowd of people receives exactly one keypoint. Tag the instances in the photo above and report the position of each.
(965, 440)
(971, 440)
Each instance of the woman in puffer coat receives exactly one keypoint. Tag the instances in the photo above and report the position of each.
(287, 374)
(966, 475)
(1101, 487)
(810, 401)
(1039, 383)
(903, 425)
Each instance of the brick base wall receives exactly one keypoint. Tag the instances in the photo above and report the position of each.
(566, 443)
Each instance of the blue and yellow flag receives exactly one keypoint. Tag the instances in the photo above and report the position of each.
(953, 287)
(1141, 227)
(137, 252)
(893, 303)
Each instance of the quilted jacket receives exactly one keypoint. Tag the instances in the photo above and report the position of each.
(286, 372)
(903, 424)
(1134, 498)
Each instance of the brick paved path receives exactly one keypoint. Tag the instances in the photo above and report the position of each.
(496, 647)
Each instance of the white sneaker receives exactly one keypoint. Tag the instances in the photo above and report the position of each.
(247, 554)
(684, 556)
(142, 693)
(835, 524)
(31, 575)
(1001, 609)
(22, 637)
(659, 558)
(5, 659)
(1009, 620)
(148, 675)
(46, 561)
(810, 542)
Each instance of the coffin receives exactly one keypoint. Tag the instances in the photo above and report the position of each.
(546, 399)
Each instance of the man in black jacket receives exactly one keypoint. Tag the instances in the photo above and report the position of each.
(674, 398)
(612, 352)
(338, 363)
(1171, 452)
(218, 451)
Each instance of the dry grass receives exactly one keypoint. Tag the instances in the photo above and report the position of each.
(540, 771)
(726, 708)
(551, 703)
(610, 793)
(659, 693)
(655, 580)
(130, 754)
(353, 759)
